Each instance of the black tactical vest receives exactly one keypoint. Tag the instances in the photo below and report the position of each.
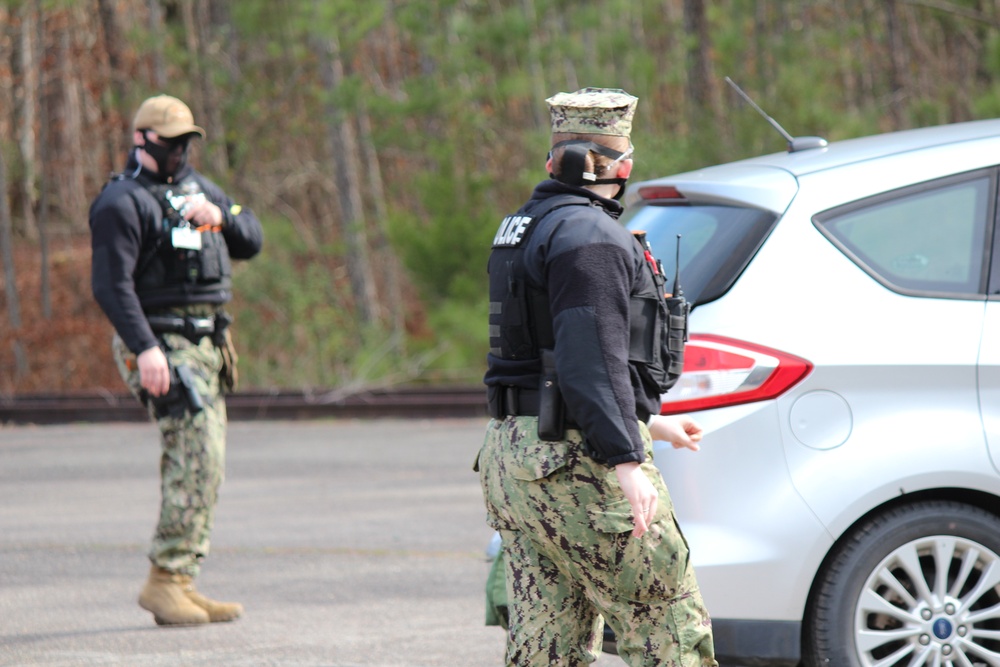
(168, 273)
(520, 318)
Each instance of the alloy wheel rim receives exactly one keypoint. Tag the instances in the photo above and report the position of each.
(934, 601)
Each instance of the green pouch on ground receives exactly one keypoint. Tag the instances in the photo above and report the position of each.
(496, 592)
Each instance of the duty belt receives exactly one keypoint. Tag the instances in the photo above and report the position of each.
(192, 328)
(506, 400)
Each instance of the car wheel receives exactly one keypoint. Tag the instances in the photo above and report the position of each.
(916, 585)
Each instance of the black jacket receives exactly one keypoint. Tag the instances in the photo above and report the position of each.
(125, 223)
(589, 265)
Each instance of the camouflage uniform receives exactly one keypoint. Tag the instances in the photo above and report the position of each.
(567, 527)
(193, 460)
(570, 285)
(163, 240)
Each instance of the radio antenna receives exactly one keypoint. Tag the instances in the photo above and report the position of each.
(678, 291)
(794, 143)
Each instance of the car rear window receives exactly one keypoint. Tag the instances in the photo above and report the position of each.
(929, 240)
(716, 243)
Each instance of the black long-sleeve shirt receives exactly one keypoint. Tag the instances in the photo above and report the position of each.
(589, 265)
(125, 222)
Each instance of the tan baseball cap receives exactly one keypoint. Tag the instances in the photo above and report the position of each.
(593, 111)
(167, 116)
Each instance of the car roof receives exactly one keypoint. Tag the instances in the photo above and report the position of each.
(771, 181)
(847, 151)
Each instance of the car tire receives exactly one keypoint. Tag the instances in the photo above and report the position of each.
(879, 599)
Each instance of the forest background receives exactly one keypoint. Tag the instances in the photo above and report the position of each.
(380, 142)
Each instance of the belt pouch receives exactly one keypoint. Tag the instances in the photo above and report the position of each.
(494, 401)
(228, 373)
(551, 419)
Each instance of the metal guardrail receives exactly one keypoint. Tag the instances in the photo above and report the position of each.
(245, 406)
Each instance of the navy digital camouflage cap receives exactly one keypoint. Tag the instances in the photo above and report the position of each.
(593, 111)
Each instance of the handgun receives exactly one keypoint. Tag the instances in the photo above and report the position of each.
(180, 398)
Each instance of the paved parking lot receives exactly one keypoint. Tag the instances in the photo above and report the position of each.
(349, 543)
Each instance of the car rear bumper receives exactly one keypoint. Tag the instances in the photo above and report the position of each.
(757, 643)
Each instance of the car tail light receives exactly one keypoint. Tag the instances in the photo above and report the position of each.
(649, 192)
(721, 371)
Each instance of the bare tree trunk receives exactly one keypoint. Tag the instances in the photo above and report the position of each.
(702, 91)
(464, 84)
(534, 56)
(26, 70)
(158, 70)
(961, 47)
(116, 141)
(870, 69)
(923, 82)
(220, 35)
(70, 139)
(205, 32)
(697, 58)
(192, 37)
(637, 35)
(108, 11)
(847, 57)
(344, 152)
(10, 276)
(762, 51)
(394, 56)
(389, 263)
(192, 15)
(43, 194)
(897, 64)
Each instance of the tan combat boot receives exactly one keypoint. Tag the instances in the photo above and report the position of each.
(217, 611)
(164, 596)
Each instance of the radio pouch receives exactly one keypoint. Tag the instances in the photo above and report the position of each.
(551, 417)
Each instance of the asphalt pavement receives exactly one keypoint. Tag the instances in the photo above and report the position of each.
(350, 543)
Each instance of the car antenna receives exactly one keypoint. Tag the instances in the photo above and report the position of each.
(794, 143)
(678, 291)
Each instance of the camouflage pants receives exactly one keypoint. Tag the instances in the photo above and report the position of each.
(193, 457)
(573, 564)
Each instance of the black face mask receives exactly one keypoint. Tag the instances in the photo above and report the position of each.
(169, 158)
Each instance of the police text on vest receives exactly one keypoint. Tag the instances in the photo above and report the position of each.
(511, 230)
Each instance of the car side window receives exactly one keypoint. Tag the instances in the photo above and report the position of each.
(926, 240)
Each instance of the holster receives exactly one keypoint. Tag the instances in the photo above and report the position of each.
(228, 374)
(223, 340)
(551, 411)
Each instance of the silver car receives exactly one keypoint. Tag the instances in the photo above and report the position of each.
(844, 360)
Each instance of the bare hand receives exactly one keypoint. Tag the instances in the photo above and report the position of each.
(204, 214)
(681, 431)
(641, 495)
(154, 372)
